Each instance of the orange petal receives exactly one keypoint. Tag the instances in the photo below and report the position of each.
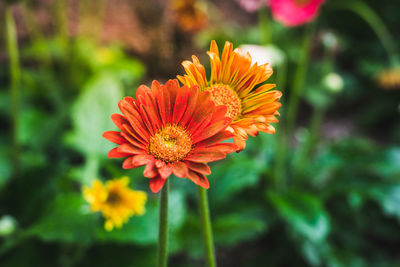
(132, 138)
(114, 137)
(150, 171)
(113, 153)
(181, 103)
(211, 130)
(205, 155)
(118, 120)
(240, 142)
(215, 139)
(198, 179)
(180, 169)
(224, 147)
(156, 184)
(142, 89)
(199, 167)
(165, 171)
(130, 149)
(136, 161)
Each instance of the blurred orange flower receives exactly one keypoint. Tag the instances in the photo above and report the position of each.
(389, 78)
(116, 201)
(190, 15)
(170, 129)
(235, 83)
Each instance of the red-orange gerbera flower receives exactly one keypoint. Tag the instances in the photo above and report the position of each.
(235, 83)
(170, 129)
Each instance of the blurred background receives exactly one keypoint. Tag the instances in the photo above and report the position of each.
(323, 191)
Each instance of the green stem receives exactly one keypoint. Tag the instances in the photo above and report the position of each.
(279, 167)
(12, 46)
(61, 18)
(312, 138)
(376, 23)
(264, 26)
(299, 79)
(206, 227)
(162, 250)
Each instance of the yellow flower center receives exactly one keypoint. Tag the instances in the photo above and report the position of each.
(113, 198)
(170, 143)
(301, 2)
(223, 94)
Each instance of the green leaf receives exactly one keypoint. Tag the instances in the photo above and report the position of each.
(389, 165)
(139, 229)
(66, 220)
(91, 114)
(303, 212)
(389, 198)
(143, 229)
(234, 175)
(188, 239)
(234, 228)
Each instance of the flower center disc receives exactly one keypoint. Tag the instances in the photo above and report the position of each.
(171, 143)
(113, 198)
(222, 94)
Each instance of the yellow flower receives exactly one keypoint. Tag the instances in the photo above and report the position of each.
(116, 201)
(236, 83)
(390, 78)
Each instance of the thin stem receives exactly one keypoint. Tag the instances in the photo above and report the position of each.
(61, 18)
(279, 167)
(264, 26)
(12, 47)
(376, 23)
(96, 9)
(312, 138)
(316, 120)
(162, 250)
(299, 79)
(206, 227)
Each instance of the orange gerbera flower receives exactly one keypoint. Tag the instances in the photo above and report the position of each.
(389, 78)
(170, 129)
(190, 15)
(235, 83)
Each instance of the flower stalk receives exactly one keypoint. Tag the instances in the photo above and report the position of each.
(377, 25)
(264, 25)
(299, 78)
(15, 73)
(162, 250)
(206, 227)
(280, 179)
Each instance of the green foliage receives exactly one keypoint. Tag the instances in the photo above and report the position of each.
(65, 221)
(140, 229)
(91, 115)
(239, 226)
(303, 212)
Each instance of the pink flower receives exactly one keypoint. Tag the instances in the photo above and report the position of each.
(251, 5)
(294, 12)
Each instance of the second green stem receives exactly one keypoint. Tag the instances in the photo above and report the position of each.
(299, 79)
(206, 227)
(162, 250)
(12, 46)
